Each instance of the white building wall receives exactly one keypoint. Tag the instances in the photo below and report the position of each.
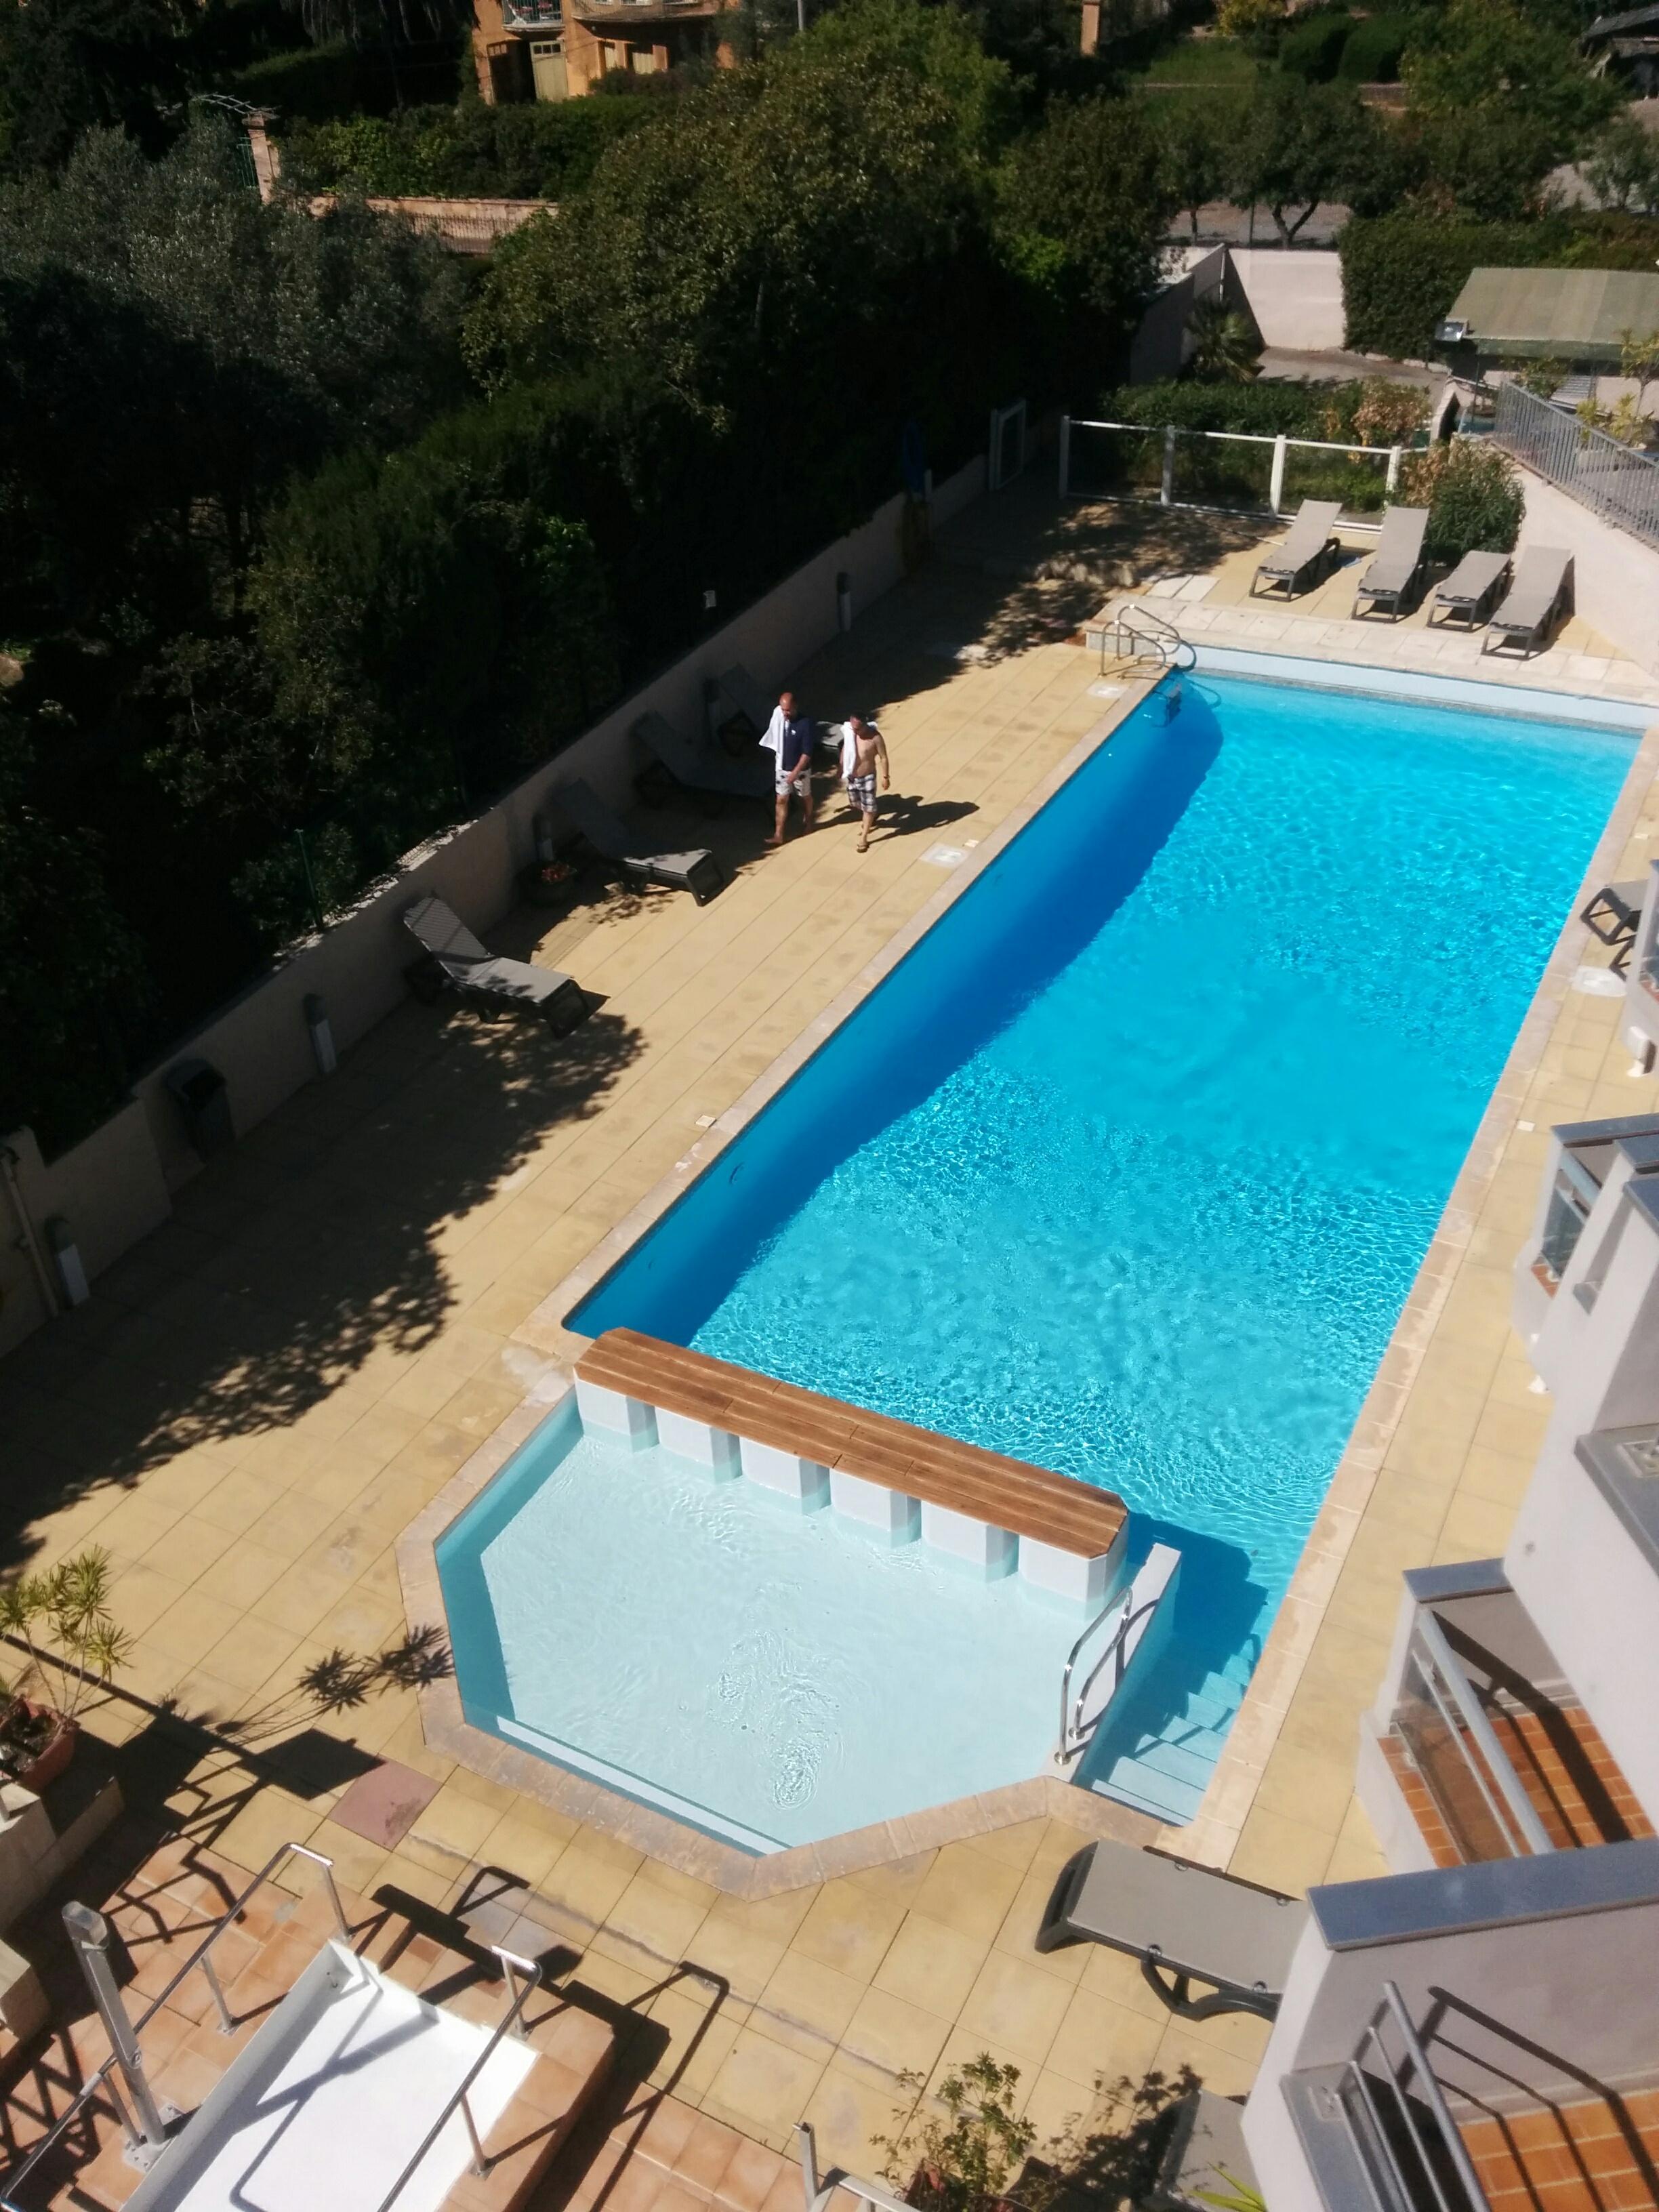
(1296, 298)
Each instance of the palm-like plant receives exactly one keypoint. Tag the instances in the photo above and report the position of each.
(1224, 346)
(62, 1620)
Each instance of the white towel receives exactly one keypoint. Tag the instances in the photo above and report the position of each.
(773, 739)
(849, 750)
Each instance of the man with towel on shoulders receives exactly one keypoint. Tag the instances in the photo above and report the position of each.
(789, 738)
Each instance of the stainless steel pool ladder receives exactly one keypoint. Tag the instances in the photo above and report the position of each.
(1071, 1738)
(1141, 636)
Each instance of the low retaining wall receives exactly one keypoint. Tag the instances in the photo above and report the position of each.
(113, 1188)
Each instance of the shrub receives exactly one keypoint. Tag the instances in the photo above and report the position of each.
(1264, 409)
(1313, 49)
(311, 81)
(543, 149)
(1373, 53)
(1473, 495)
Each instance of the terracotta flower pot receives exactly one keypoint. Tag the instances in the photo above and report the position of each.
(54, 1755)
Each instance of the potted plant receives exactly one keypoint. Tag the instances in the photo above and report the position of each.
(61, 1618)
(964, 2161)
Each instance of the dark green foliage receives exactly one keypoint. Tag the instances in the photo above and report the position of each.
(1268, 408)
(68, 66)
(312, 81)
(537, 149)
(1313, 49)
(1375, 48)
(65, 957)
(1294, 145)
(1401, 273)
(1473, 495)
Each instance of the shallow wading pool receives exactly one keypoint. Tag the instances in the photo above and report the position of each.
(1126, 1169)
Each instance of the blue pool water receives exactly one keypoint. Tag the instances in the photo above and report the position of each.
(1128, 1168)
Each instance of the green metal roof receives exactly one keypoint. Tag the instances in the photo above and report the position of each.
(1576, 314)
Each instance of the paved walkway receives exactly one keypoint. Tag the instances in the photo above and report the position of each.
(259, 1398)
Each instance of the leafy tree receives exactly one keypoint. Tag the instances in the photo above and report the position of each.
(68, 66)
(1297, 145)
(65, 955)
(217, 345)
(1193, 139)
(1499, 96)
(1622, 166)
(1088, 193)
(937, 46)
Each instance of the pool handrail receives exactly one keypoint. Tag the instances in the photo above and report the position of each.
(512, 1965)
(817, 2192)
(1123, 1603)
(101, 2079)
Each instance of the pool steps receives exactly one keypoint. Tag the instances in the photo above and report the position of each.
(1167, 1773)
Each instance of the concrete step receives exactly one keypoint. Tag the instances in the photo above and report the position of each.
(1131, 1782)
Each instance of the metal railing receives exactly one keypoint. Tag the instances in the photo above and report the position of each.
(816, 2192)
(1467, 1734)
(1614, 481)
(512, 1965)
(1070, 1742)
(129, 2060)
(1281, 448)
(1411, 2139)
(1151, 635)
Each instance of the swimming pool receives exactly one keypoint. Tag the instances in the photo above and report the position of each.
(1128, 1169)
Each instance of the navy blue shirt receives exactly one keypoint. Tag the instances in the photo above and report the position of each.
(797, 745)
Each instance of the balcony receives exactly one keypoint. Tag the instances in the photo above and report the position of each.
(619, 17)
(1593, 1169)
(545, 15)
(1449, 2043)
(1483, 1748)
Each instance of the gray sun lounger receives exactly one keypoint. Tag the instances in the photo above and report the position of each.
(698, 872)
(706, 767)
(1539, 598)
(1615, 916)
(1469, 593)
(1206, 2150)
(745, 695)
(1308, 555)
(1394, 582)
(1185, 1924)
(478, 973)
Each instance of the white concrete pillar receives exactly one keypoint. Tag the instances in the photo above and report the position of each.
(1166, 489)
(616, 1419)
(889, 1513)
(699, 1442)
(979, 1544)
(1276, 483)
(1086, 1582)
(804, 1482)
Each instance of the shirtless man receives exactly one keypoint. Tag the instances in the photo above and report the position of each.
(865, 747)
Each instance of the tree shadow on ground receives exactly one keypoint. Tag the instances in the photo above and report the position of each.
(295, 1260)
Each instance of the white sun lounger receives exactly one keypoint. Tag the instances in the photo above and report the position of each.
(1467, 594)
(1395, 577)
(1184, 1923)
(706, 767)
(1308, 555)
(1539, 598)
(698, 872)
(478, 973)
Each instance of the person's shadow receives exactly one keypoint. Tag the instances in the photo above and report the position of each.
(902, 816)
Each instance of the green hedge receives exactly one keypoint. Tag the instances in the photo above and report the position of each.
(1401, 273)
(1266, 408)
(1313, 50)
(543, 149)
(1374, 48)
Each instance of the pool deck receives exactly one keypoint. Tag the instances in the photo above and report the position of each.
(261, 1397)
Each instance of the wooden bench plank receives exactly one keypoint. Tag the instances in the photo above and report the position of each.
(1008, 1493)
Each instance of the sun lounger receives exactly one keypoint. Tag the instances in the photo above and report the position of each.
(705, 767)
(481, 974)
(747, 697)
(698, 872)
(1539, 598)
(1615, 916)
(1184, 1923)
(1308, 555)
(1394, 582)
(1469, 593)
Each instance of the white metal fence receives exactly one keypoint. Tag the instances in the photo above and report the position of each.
(1621, 486)
(1234, 471)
